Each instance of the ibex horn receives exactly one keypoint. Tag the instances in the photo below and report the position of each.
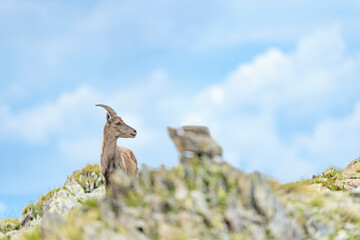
(109, 109)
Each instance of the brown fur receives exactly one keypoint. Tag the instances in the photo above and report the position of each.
(115, 157)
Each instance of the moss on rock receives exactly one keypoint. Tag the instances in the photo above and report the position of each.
(331, 179)
(88, 177)
(198, 199)
(38, 207)
(9, 224)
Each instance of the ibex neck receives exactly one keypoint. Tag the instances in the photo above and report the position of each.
(109, 145)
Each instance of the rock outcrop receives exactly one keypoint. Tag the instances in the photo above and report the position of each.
(82, 185)
(200, 198)
(351, 176)
(193, 141)
(335, 179)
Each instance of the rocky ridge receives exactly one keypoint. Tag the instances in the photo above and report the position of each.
(82, 185)
(201, 198)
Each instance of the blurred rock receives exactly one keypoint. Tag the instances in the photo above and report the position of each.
(27, 218)
(50, 222)
(217, 200)
(194, 141)
(351, 175)
(352, 170)
(200, 198)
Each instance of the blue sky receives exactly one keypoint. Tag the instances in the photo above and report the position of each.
(276, 82)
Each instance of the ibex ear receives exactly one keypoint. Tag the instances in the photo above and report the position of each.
(108, 118)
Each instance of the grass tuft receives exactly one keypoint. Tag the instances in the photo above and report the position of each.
(35, 235)
(9, 224)
(38, 207)
(330, 179)
(84, 175)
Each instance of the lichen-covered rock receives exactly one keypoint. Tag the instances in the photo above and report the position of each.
(9, 225)
(336, 179)
(201, 198)
(69, 196)
(61, 200)
(204, 200)
(324, 215)
(351, 175)
(352, 170)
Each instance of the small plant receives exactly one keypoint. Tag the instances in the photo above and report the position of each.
(87, 176)
(330, 179)
(34, 235)
(317, 202)
(293, 187)
(91, 203)
(9, 224)
(333, 172)
(38, 207)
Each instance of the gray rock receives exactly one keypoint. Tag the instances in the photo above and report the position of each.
(69, 196)
(51, 220)
(355, 191)
(257, 233)
(342, 235)
(12, 234)
(194, 141)
(267, 205)
(27, 218)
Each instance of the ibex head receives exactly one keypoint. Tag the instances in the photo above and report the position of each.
(116, 125)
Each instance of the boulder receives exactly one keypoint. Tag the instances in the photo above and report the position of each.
(82, 185)
(194, 141)
(352, 170)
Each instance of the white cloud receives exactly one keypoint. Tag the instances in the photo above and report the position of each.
(75, 124)
(2, 209)
(105, 26)
(95, 35)
(278, 90)
(335, 140)
(38, 123)
(72, 111)
(280, 113)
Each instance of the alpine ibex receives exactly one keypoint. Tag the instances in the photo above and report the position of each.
(115, 157)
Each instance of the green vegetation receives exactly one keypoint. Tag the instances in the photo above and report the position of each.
(204, 194)
(269, 235)
(91, 211)
(330, 178)
(9, 224)
(350, 217)
(34, 235)
(86, 174)
(317, 202)
(301, 187)
(91, 203)
(38, 207)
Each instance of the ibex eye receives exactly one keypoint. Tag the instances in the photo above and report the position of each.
(118, 123)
